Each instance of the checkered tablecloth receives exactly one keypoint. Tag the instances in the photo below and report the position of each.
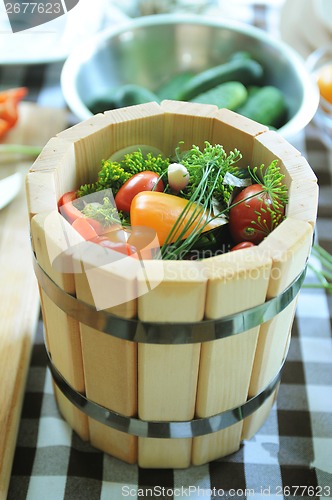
(291, 455)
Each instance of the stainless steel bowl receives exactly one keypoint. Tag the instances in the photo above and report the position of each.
(148, 50)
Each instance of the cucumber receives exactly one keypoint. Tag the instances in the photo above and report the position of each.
(131, 94)
(246, 71)
(101, 103)
(229, 95)
(266, 105)
(240, 55)
(119, 97)
(171, 89)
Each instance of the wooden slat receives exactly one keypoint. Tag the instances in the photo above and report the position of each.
(110, 363)
(102, 135)
(167, 374)
(52, 174)
(237, 280)
(52, 235)
(234, 131)
(288, 246)
(303, 201)
(271, 146)
(299, 176)
(189, 122)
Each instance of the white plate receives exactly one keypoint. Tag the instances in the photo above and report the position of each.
(290, 29)
(9, 188)
(323, 9)
(53, 41)
(301, 28)
(312, 28)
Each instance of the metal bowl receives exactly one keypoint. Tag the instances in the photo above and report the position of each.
(149, 50)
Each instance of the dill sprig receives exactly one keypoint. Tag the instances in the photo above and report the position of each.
(207, 169)
(105, 212)
(136, 162)
(114, 174)
(218, 162)
(271, 180)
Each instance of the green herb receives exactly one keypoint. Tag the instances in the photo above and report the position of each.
(20, 149)
(113, 174)
(215, 160)
(272, 181)
(104, 213)
(207, 169)
(269, 178)
(324, 274)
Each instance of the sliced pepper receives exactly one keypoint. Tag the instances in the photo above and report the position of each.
(9, 100)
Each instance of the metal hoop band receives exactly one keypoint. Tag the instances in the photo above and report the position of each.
(160, 429)
(167, 333)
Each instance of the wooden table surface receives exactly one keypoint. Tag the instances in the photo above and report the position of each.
(19, 298)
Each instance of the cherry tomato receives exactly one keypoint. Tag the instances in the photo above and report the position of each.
(143, 181)
(324, 80)
(117, 239)
(243, 244)
(254, 216)
(85, 229)
(160, 211)
(117, 246)
(67, 208)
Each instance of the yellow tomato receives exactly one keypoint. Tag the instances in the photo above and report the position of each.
(161, 211)
(324, 80)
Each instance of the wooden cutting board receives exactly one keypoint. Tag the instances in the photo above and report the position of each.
(19, 299)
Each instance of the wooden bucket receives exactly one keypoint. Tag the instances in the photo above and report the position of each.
(180, 375)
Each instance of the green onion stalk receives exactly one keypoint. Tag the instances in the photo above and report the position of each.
(324, 274)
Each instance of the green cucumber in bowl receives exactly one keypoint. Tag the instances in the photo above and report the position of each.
(228, 95)
(123, 96)
(266, 105)
(244, 70)
(171, 89)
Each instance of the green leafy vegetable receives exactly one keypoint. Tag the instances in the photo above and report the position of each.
(105, 212)
(113, 174)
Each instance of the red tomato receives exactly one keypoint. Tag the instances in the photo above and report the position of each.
(124, 248)
(67, 209)
(116, 239)
(143, 181)
(85, 229)
(254, 215)
(243, 244)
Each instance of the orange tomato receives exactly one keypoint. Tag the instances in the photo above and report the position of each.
(160, 211)
(324, 80)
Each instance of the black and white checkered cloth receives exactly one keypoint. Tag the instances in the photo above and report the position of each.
(291, 455)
